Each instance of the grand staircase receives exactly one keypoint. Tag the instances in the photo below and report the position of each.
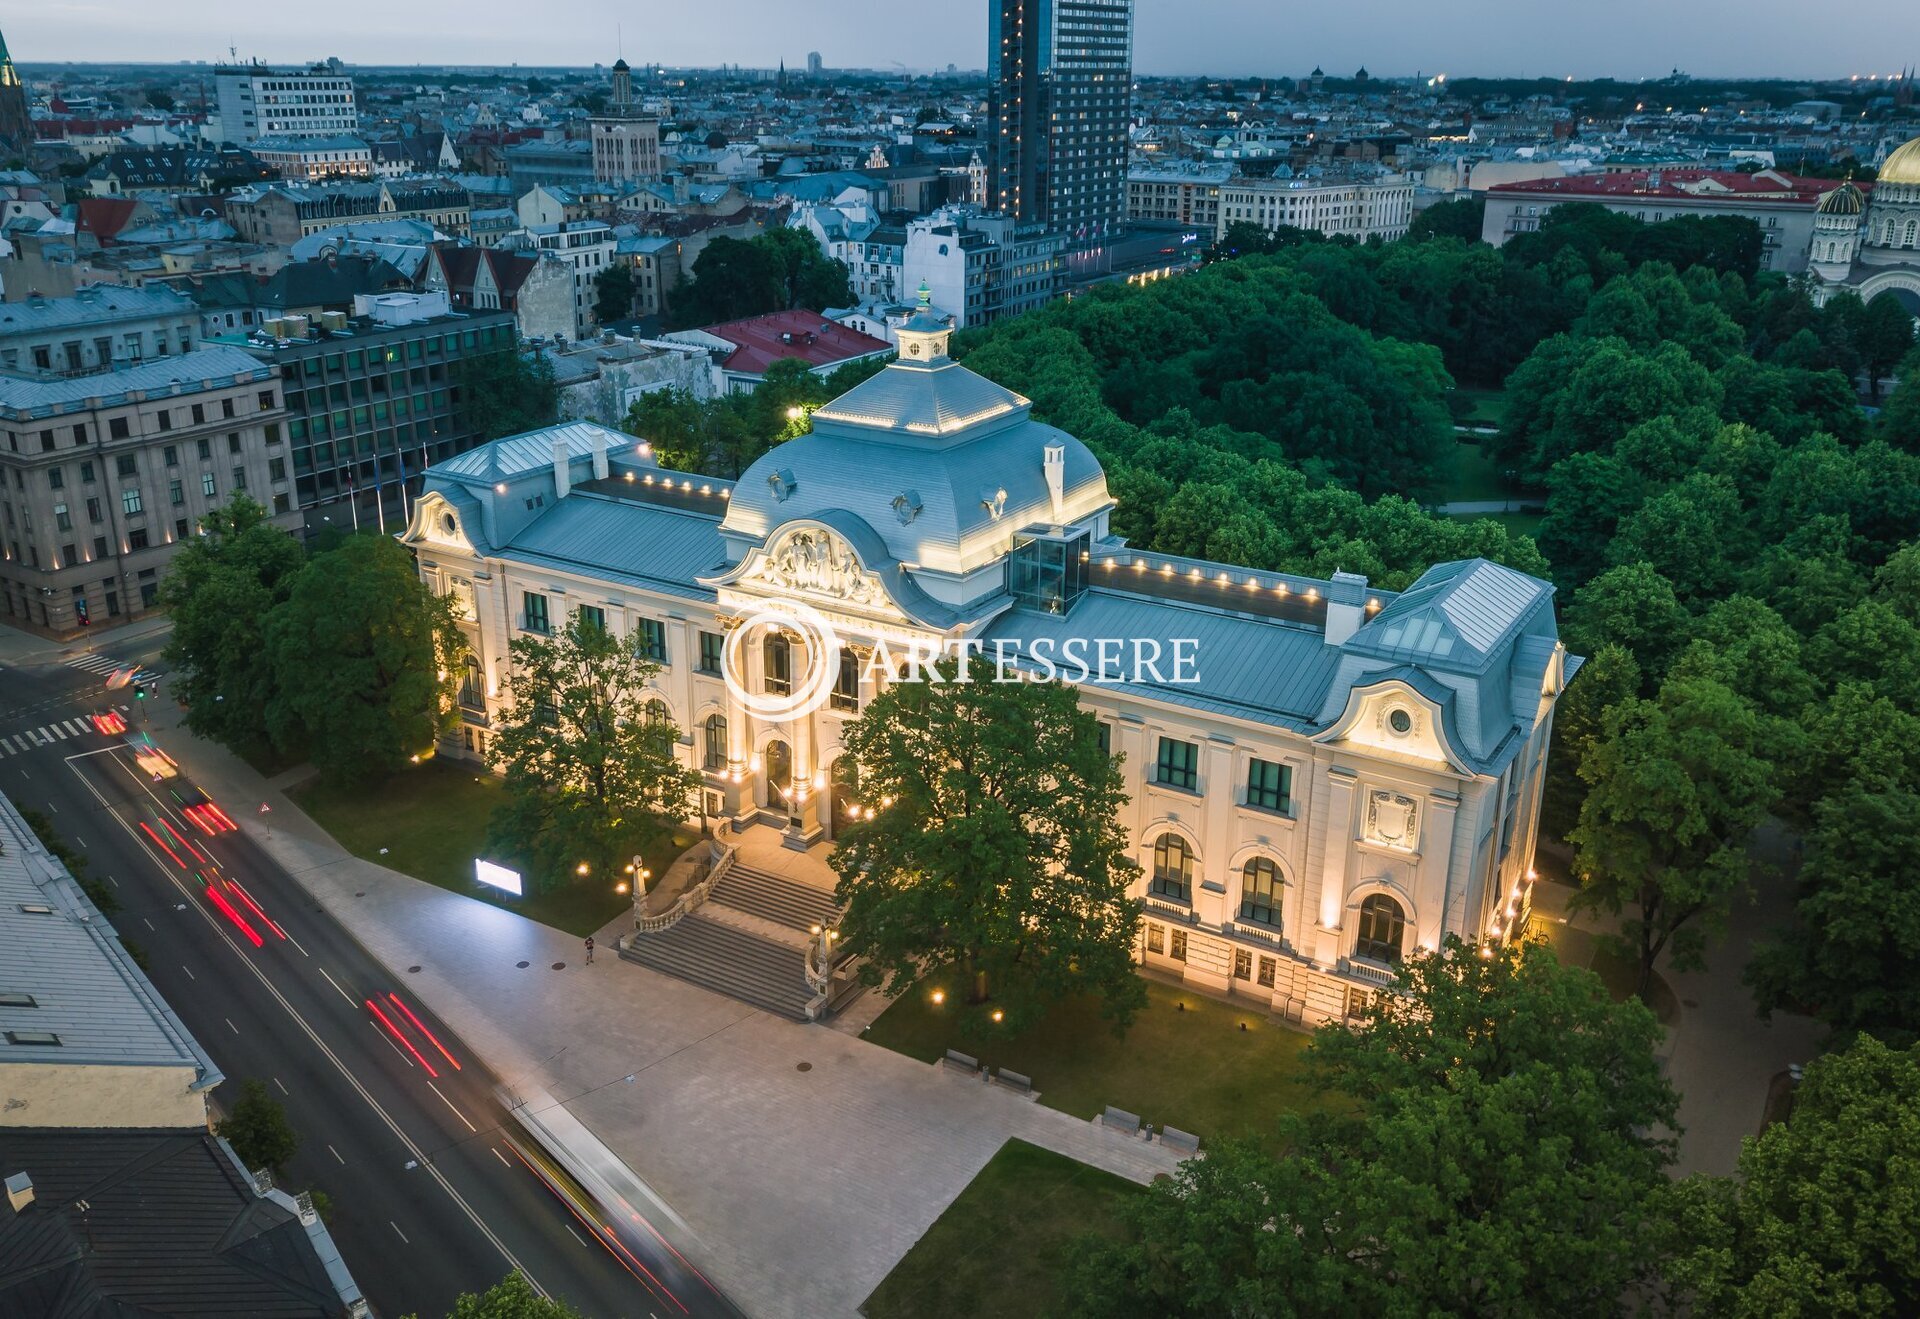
(747, 941)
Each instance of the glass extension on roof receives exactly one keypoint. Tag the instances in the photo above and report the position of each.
(1422, 634)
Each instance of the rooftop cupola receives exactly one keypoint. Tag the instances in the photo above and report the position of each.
(923, 338)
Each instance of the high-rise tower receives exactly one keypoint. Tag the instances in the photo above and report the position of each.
(16, 125)
(1061, 74)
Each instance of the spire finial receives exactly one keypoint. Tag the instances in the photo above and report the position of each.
(925, 296)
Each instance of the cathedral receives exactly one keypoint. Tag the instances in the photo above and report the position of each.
(1866, 239)
(1339, 776)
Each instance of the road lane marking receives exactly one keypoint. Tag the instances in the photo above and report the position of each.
(576, 1236)
(296, 943)
(336, 1154)
(53, 808)
(144, 921)
(397, 1232)
(230, 1026)
(456, 1112)
(419, 1156)
(336, 987)
(390, 1044)
(56, 730)
(183, 967)
(83, 842)
(283, 1088)
(503, 1158)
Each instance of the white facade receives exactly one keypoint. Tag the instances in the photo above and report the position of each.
(1380, 208)
(256, 102)
(1351, 776)
(587, 247)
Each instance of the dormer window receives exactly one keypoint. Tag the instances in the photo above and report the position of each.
(1400, 721)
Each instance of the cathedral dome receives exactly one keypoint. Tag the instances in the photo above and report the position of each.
(1843, 200)
(1903, 166)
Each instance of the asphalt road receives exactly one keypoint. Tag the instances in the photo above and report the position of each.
(399, 1122)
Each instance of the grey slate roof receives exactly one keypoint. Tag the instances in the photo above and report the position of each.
(85, 988)
(172, 1228)
(93, 306)
(218, 363)
(532, 451)
(1458, 615)
(935, 400)
(622, 540)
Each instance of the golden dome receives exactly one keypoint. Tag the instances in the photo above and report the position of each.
(1903, 166)
(1843, 200)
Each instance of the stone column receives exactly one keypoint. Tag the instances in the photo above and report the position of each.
(1331, 877)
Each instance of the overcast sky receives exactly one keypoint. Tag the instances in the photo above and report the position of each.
(1622, 38)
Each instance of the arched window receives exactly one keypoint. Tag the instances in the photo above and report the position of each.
(716, 757)
(778, 653)
(1913, 226)
(1172, 868)
(472, 689)
(658, 713)
(1260, 892)
(1382, 927)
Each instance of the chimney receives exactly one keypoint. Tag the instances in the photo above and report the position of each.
(19, 1191)
(562, 468)
(599, 455)
(1346, 606)
(1055, 464)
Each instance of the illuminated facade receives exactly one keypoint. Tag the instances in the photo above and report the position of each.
(1350, 773)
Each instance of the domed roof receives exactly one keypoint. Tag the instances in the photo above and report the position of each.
(1843, 200)
(1903, 166)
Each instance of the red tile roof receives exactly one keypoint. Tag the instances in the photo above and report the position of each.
(814, 339)
(1706, 185)
(104, 217)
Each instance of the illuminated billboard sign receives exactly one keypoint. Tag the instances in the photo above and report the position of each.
(497, 876)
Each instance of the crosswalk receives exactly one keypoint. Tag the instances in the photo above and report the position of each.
(60, 730)
(106, 666)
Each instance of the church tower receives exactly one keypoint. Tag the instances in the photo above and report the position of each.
(16, 125)
(1836, 233)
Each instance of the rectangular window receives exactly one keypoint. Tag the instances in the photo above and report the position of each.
(1242, 964)
(711, 644)
(130, 502)
(93, 510)
(1156, 938)
(846, 687)
(176, 493)
(1179, 950)
(99, 547)
(534, 606)
(594, 615)
(86, 473)
(239, 478)
(1103, 731)
(276, 469)
(179, 528)
(137, 539)
(172, 455)
(62, 520)
(233, 441)
(205, 448)
(57, 479)
(1269, 785)
(207, 485)
(1179, 764)
(199, 414)
(1268, 966)
(126, 464)
(653, 640)
(117, 428)
(165, 419)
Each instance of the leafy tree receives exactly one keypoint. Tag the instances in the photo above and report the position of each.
(1631, 606)
(1885, 338)
(505, 393)
(1462, 219)
(1899, 423)
(1821, 1219)
(588, 755)
(1676, 786)
(159, 98)
(363, 655)
(258, 1129)
(994, 850)
(613, 293)
(776, 271)
(220, 589)
(1609, 677)
(1499, 1152)
(809, 278)
(513, 1297)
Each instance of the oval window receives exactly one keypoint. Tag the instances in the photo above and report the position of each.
(447, 522)
(1400, 722)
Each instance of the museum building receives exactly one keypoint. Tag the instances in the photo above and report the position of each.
(1343, 774)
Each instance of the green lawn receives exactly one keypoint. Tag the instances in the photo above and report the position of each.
(1185, 1061)
(1001, 1246)
(1518, 524)
(1472, 476)
(1478, 407)
(432, 821)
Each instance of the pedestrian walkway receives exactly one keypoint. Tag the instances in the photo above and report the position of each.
(13, 744)
(107, 666)
(805, 1160)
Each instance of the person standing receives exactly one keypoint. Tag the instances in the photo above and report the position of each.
(589, 950)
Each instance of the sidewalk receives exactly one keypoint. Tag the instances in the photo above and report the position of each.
(805, 1161)
(18, 647)
(1721, 1056)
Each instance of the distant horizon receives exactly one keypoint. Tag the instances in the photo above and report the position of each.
(1628, 40)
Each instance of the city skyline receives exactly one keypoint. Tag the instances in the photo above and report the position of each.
(1228, 38)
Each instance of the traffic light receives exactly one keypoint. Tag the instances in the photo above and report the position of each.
(140, 691)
